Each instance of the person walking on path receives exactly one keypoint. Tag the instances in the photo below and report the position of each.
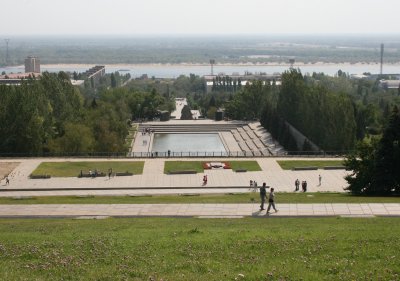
(7, 181)
(297, 185)
(263, 195)
(271, 200)
(319, 179)
(205, 180)
(304, 186)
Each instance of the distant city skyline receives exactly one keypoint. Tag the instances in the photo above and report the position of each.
(159, 17)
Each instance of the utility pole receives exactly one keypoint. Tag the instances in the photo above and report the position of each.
(7, 56)
(212, 62)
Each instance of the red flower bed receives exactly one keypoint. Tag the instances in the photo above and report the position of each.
(216, 165)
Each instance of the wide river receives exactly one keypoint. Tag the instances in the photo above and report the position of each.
(174, 70)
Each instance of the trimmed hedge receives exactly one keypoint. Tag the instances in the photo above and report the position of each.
(305, 168)
(123, 174)
(184, 172)
(39, 176)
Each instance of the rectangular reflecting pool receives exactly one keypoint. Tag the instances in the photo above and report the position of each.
(188, 144)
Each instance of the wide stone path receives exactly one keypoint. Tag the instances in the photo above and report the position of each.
(153, 178)
(198, 210)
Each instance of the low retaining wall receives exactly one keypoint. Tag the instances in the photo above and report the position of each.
(184, 172)
(305, 168)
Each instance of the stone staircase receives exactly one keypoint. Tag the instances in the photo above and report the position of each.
(252, 138)
(190, 128)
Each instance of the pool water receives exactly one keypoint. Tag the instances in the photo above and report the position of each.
(188, 143)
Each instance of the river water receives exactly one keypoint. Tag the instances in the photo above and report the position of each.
(174, 70)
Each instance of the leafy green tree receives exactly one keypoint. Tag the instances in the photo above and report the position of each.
(77, 139)
(25, 118)
(113, 81)
(249, 102)
(186, 114)
(360, 163)
(211, 112)
(375, 166)
(212, 102)
(300, 103)
(386, 177)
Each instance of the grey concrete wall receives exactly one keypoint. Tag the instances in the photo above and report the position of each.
(299, 137)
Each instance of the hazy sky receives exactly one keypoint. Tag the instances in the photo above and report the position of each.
(24, 17)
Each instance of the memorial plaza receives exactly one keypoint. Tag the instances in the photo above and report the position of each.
(153, 181)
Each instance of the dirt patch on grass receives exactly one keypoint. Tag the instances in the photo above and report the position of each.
(7, 167)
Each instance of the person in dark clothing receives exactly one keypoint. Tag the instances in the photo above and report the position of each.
(304, 186)
(263, 195)
(205, 179)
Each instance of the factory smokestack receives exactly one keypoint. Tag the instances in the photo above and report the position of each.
(382, 47)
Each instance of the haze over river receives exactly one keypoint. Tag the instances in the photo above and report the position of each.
(174, 70)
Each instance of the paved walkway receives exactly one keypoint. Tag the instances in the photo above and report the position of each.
(153, 177)
(198, 210)
(154, 181)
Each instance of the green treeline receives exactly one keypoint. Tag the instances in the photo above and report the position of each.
(315, 106)
(324, 116)
(332, 112)
(49, 115)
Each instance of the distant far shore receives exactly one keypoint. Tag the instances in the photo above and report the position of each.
(126, 66)
(171, 70)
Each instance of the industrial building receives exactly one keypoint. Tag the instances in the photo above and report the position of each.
(32, 64)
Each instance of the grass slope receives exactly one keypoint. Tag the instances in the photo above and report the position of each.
(198, 249)
(206, 198)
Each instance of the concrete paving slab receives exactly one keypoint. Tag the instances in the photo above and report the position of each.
(117, 210)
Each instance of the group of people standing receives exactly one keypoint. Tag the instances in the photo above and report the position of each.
(253, 185)
(271, 198)
(303, 185)
(147, 131)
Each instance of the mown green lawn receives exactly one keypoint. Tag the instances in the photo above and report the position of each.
(291, 164)
(293, 198)
(73, 169)
(200, 249)
(172, 166)
(251, 166)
